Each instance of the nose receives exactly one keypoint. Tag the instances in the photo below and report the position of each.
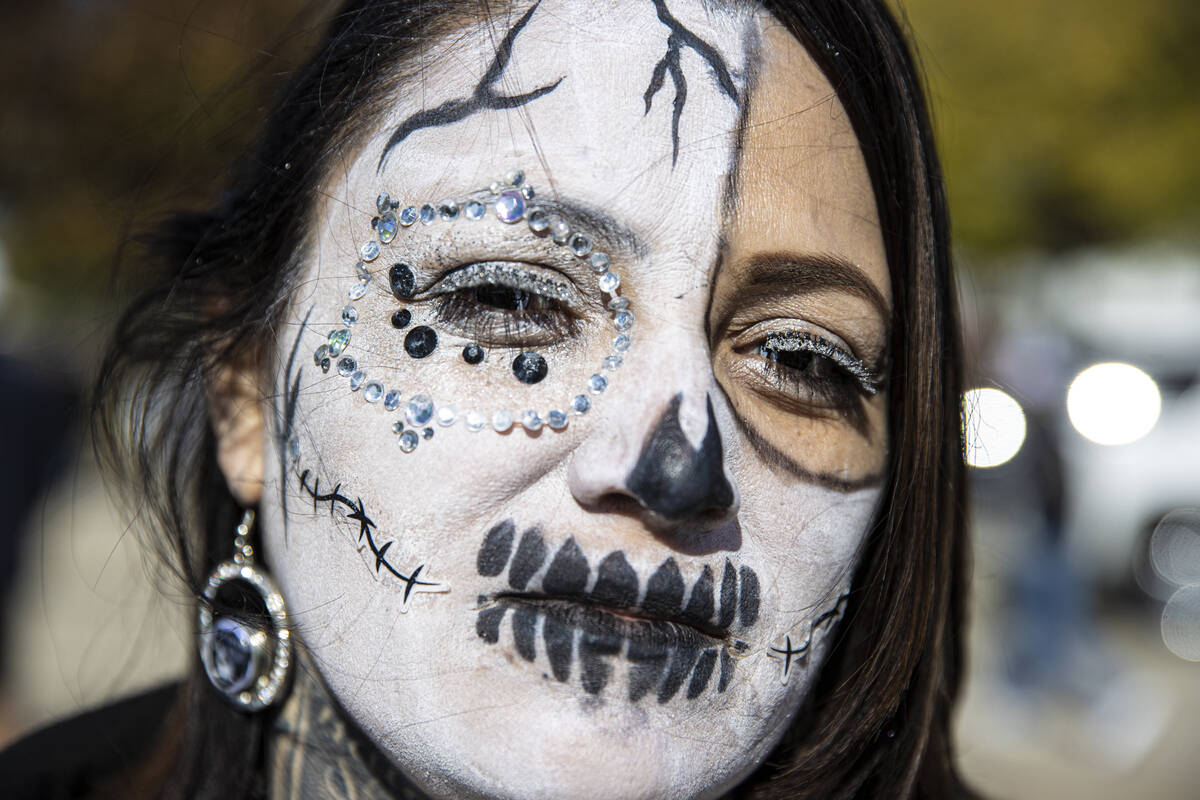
(653, 462)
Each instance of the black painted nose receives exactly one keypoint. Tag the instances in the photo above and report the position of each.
(674, 479)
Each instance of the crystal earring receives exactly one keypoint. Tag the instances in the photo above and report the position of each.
(246, 644)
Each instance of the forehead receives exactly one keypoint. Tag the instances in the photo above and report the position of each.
(676, 118)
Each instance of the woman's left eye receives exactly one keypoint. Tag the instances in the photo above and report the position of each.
(809, 368)
(504, 305)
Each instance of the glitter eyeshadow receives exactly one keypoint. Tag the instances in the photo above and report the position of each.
(529, 368)
(401, 318)
(403, 282)
(420, 341)
(472, 354)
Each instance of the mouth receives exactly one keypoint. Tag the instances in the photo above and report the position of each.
(638, 625)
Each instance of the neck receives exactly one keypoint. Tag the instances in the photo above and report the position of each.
(314, 752)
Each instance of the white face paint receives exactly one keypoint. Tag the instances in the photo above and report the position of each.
(488, 687)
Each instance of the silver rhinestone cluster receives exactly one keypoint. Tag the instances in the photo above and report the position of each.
(510, 200)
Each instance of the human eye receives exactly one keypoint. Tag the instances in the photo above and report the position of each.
(507, 304)
(808, 369)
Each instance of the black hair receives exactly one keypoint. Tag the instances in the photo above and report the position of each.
(878, 722)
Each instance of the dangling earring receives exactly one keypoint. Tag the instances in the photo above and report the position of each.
(246, 663)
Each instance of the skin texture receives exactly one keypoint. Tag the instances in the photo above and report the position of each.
(740, 207)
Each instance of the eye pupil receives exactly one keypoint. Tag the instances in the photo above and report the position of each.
(799, 360)
(504, 297)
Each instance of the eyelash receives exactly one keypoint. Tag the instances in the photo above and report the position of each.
(828, 373)
(501, 304)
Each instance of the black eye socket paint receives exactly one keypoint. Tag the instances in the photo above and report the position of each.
(673, 639)
(675, 480)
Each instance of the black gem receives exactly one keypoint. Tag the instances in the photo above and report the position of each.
(403, 282)
(529, 367)
(427, 433)
(472, 354)
(420, 341)
(324, 365)
(401, 318)
(374, 223)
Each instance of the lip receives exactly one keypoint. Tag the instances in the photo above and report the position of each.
(634, 623)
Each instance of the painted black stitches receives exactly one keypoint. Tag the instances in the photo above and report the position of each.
(675, 480)
(355, 512)
(483, 98)
(493, 556)
(531, 552)
(678, 38)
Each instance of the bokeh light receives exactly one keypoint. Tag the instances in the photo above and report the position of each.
(994, 425)
(1113, 403)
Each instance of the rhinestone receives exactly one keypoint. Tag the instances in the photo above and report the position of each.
(402, 281)
(420, 341)
(510, 207)
(495, 187)
(475, 210)
(409, 215)
(325, 365)
(531, 420)
(619, 303)
(349, 315)
(476, 421)
(580, 245)
(357, 290)
(609, 282)
(427, 433)
(622, 342)
(401, 318)
(581, 404)
(373, 391)
(409, 441)
(599, 263)
(356, 380)
(448, 209)
(597, 383)
(514, 177)
(321, 354)
(446, 416)
(560, 231)
(529, 368)
(346, 365)
(391, 400)
(231, 651)
(428, 214)
(294, 448)
(419, 410)
(338, 341)
(557, 419)
(383, 203)
(369, 251)
(472, 354)
(387, 227)
(623, 320)
(539, 220)
(397, 427)
(613, 362)
(502, 420)
(360, 269)
(527, 192)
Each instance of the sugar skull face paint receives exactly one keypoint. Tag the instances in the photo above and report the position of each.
(637, 599)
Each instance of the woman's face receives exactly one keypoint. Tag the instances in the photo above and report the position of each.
(631, 601)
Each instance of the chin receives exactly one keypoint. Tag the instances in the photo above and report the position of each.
(507, 730)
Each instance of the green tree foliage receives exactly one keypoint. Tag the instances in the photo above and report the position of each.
(1065, 122)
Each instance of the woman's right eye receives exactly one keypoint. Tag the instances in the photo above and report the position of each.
(504, 305)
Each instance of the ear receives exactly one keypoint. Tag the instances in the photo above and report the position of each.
(236, 414)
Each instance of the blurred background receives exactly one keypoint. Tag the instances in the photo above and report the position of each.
(1069, 131)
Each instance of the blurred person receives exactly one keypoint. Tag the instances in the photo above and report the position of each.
(561, 402)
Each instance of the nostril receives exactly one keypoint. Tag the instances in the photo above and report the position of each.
(677, 481)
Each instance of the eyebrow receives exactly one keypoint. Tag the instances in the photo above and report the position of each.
(595, 221)
(792, 273)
